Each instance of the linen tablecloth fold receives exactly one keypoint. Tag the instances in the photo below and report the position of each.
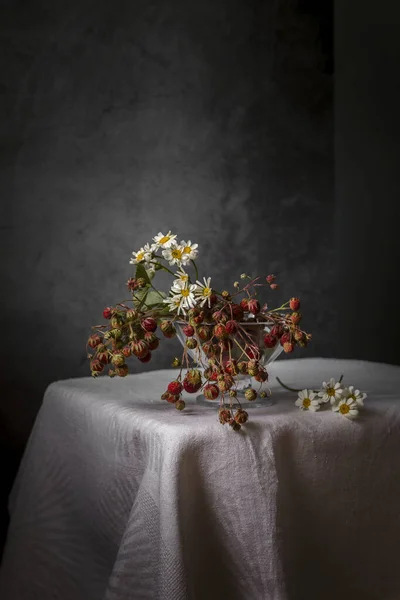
(120, 497)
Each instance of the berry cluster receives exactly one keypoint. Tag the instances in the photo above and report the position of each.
(226, 334)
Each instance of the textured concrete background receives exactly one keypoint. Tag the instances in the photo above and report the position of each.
(123, 119)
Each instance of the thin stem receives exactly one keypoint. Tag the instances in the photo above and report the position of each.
(286, 386)
(195, 268)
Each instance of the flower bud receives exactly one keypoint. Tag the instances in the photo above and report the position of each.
(131, 284)
(176, 362)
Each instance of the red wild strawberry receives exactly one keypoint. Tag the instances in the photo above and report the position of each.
(220, 331)
(97, 366)
(295, 317)
(94, 340)
(107, 312)
(224, 415)
(244, 304)
(122, 371)
(270, 279)
(269, 341)
(241, 416)
(103, 357)
(254, 306)
(151, 340)
(294, 303)
(277, 330)
(188, 330)
(237, 312)
(146, 358)
(285, 338)
(204, 332)
(139, 348)
(175, 387)
(168, 329)
(149, 324)
(211, 392)
(288, 347)
(274, 286)
(126, 351)
(191, 388)
(231, 327)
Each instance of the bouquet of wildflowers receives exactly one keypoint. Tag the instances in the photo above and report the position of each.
(227, 336)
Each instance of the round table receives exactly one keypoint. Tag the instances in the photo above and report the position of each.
(121, 497)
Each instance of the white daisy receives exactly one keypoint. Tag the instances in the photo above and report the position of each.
(348, 408)
(190, 251)
(330, 391)
(175, 304)
(145, 254)
(182, 279)
(164, 240)
(355, 395)
(306, 400)
(204, 291)
(174, 254)
(187, 293)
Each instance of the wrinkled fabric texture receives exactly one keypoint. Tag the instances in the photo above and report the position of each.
(121, 497)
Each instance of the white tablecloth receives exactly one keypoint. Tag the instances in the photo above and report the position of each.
(121, 497)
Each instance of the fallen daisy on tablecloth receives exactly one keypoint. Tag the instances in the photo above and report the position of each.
(346, 401)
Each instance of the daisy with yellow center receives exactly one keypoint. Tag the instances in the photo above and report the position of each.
(182, 279)
(164, 240)
(204, 291)
(331, 391)
(185, 295)
(306, 401)
(173, 254)
(357, 396)
(175, 304)
(347, 407)
(190, 251)
(145, 254)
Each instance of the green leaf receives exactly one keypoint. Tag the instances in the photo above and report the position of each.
(154, 298)
(141, 272)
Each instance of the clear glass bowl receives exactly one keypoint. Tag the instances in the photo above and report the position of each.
(255, 333)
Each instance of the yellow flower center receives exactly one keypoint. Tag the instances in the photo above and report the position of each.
(176, 253)
(185, 292)
(306, 402)
(165, 239)
(330, 392)
(140, 256)
(187, 250)
(184, 277)
(206, 291)
(344, 409)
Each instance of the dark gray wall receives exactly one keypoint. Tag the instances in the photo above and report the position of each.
(367, 179)
(122, 119)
